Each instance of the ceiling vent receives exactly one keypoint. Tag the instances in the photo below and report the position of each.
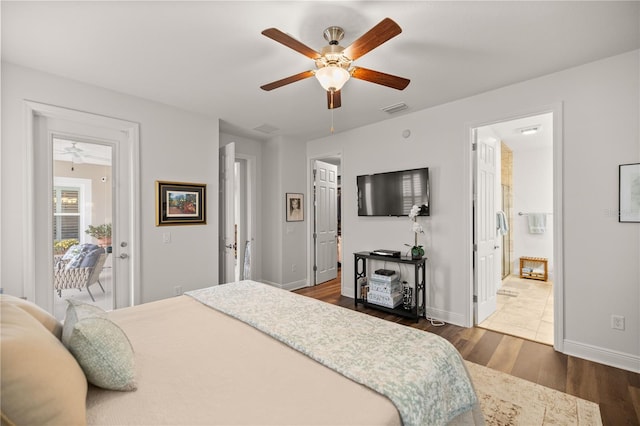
(266, 128)
(531, 130)
(392, 109)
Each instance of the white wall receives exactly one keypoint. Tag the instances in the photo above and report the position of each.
(601, 270)
(532, 193)
(175, 145)
(284, 243)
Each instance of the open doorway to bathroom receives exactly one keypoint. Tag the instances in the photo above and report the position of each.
(524, 227)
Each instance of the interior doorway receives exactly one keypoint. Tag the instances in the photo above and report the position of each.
(522, 227)
(244, 213)
(237, 215)
(326, 226)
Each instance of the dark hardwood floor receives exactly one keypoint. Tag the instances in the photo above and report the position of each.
(616, 391)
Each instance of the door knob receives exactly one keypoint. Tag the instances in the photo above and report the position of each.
(124, 256)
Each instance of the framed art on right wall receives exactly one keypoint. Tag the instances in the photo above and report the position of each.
(629, 195)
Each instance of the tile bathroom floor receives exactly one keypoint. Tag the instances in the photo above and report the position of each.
(524, 308)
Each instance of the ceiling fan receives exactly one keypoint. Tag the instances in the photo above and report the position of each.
(77, 154)
(334, 63)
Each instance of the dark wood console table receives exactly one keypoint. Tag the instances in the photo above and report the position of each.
(419, 297)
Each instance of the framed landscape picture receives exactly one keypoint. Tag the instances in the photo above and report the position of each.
(629, 193)
(179, 203)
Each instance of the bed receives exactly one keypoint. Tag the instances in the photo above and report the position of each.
(249, 354)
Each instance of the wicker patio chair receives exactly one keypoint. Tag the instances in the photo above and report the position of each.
(67, 275)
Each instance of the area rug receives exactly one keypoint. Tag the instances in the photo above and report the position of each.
(509, 400)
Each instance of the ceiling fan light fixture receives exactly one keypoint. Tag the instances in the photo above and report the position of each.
(332, 78)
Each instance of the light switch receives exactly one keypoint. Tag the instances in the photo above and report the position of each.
(166, 237)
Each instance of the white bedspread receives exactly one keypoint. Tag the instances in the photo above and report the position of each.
(421, 373)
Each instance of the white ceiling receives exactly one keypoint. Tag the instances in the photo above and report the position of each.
(510, 133)
(209, 56)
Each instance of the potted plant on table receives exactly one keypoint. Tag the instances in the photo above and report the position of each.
(416, 250)
(102, 233)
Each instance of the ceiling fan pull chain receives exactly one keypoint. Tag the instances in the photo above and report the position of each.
(332, 92)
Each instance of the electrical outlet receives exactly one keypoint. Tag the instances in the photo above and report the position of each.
(166, 237)
(617, 322)
(294, 267)
(177, 290)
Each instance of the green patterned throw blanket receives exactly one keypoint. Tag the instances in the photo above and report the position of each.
(421, 373)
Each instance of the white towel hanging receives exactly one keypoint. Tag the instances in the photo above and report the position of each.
(247, 262)
(501, 223)
(537, 223)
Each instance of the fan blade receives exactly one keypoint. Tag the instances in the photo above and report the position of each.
(378, 77)
(384, 31)
(334, 99)
(287, 40)
(288, 80)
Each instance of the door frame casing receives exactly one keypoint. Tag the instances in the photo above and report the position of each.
(131, 131)
(556, 109)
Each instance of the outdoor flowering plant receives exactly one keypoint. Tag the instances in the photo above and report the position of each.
(416, 251)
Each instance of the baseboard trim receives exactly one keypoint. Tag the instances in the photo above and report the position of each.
(446, 316)
(295, 285)
(604, 356)
(271, 283)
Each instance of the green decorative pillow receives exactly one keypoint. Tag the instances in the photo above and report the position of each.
(77, 311)
(101, 347)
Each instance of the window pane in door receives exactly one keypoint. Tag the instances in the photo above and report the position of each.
(82, 220)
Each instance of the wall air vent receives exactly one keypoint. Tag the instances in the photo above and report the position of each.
(266, 128)
(392, 109)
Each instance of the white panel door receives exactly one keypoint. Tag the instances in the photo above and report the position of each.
(326, 221)
(487, 275)
(228, 244)
(68, 153)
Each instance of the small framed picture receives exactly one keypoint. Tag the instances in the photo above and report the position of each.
(629, 193)
(294, 206)
(179, 203)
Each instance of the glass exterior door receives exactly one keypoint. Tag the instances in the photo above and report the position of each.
(82, 206)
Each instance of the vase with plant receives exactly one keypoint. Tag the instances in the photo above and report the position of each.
(416, 250)
(102, 233)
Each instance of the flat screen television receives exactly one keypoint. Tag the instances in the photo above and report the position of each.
(393, 193)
